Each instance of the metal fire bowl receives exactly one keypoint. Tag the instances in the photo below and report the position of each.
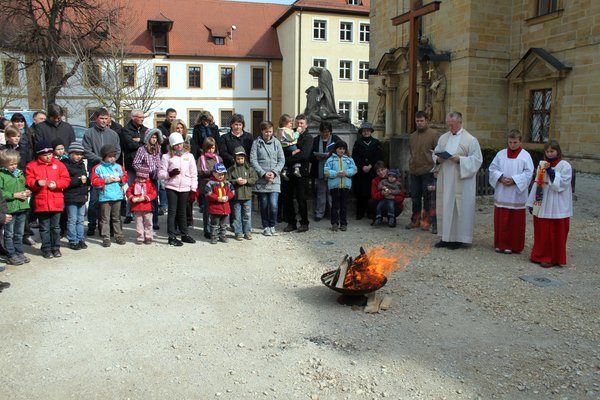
(353, 292)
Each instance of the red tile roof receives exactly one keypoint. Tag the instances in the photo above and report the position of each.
(327, 6)
(193, 22)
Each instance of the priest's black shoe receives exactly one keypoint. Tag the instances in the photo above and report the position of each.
(454, 245)
(441, 243)
(187, 239)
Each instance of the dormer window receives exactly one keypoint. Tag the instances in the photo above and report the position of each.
(219, 40)
(160, 34)
(354, 2)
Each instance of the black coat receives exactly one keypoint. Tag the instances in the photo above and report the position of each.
(201, 132)
(128, 145)
(365, 154)
(48, 131)
(77, 192)
(305, 145)
(227, 144)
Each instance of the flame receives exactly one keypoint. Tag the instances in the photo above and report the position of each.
(370, 269)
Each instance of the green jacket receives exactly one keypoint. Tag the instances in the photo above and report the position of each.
(9, 185)
(242, 171)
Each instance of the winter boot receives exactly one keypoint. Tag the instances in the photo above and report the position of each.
(414, 222)
(425, 220)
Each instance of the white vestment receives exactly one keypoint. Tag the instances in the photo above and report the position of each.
(520, 169)
(557, 199)
(456, 186)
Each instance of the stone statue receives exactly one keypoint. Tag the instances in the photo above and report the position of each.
(320, 101)
(380, 111)
(438, 95)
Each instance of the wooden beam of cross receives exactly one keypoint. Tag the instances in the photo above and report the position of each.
(416, 11)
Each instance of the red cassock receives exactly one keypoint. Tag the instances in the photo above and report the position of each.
(509, 229)
(550, 241)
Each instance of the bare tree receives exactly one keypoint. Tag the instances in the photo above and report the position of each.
(117, 79)
(50, 30)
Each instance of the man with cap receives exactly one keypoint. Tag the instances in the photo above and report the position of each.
(94, 138)
(365, 152)
(47, 177)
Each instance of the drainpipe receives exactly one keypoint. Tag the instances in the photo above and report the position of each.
(299, 60)
(269, 99)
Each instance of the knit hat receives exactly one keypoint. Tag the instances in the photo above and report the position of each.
(107, 149)
(239, 151)
(75, 147)
(142, 172)
(175, 138)
(57, 142)
(220, 168)
(43, 147)
(365, 125)
(393, 172)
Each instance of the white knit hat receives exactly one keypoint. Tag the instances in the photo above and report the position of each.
(175, 138)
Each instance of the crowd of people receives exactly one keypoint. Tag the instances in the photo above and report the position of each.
(49, 180)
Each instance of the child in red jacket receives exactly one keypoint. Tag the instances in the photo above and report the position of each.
(141, 193)
(386, 201)
(218, 192)
(47, 178)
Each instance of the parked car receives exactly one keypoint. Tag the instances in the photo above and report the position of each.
(79, 132)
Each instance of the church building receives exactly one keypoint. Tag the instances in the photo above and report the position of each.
(533, 65)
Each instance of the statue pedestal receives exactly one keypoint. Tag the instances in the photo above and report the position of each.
(347, 132)
(399, 152)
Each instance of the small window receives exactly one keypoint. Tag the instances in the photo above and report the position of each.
(363, 70)
(258, 78)
(345, 72)
(126, 115)
(11, 73)
(546, 6)
(161, 42)
(92, 75)
(345, 31)
(128, 75)
(161, 73)
(345, 108)
(320, 30)
(354, 2)
(194, 76)
(159, 117)
(225, 117)
(320, 62)
(89, 113)
(193, 115)
(219, 40)
(363, 111)
(539, 115)
(226, 77)
(364, 33)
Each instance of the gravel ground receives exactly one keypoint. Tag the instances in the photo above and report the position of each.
(248, 320)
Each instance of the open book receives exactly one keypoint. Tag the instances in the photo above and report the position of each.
(444, 154)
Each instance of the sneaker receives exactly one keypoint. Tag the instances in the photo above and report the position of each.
(91, 231)
(507, 251)
(289, 228)
(273, 231)
(248, 236)
(82, 245)
(187, 239)
(334, 228)
(47, 254)
(239, 238)
(303, 228)
(56, 253)
(297, 172)
(392, 222)
(223, 239)
(24, 258)
(267, 232)
(213, 240)
(106, 242)
(343, 228)
(74, 246)
(120, 240)
(127, 220)
(29, 241)
(377, 221)
(173, 241)
(15, 260)
(497, 250)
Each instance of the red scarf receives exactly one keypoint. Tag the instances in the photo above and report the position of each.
(513, 153)
(553, 162)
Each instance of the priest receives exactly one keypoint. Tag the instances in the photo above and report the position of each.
(459, 158)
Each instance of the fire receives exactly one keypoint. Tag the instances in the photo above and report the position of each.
(370, 269)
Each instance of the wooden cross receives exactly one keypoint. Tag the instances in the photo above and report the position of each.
(416, 11)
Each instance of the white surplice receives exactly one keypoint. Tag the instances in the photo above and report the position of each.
(456, 186)
(520, 169)
(557, 201)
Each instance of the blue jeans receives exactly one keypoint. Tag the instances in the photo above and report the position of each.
(13, 234)
(268, 208)
(75, 217)
(94, 207)
(50, 230)
(242, 222)
(385, 205)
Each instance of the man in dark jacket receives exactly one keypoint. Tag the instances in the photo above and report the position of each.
(237, 137)
(54, 127)
(297, 186)
(131, 140)
(165, 128)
